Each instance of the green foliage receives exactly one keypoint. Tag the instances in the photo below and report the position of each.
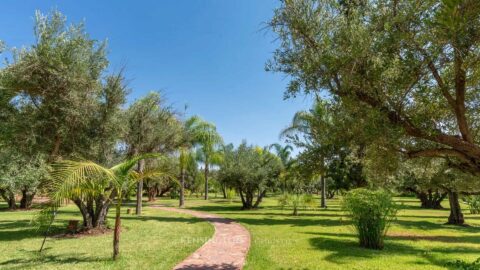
(371, 213)
(326, 148)
(296, 201)
(151, 126)
(56, 100)
(20, 174)
(405, 72)
(57, 86)
(251, 170)
(72, 179)
(230, 194)
(462, 265)
(283, 200)
(473, 202)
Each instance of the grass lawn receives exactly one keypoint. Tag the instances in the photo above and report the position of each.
(317, 239)
(153, 241)
(323, 239)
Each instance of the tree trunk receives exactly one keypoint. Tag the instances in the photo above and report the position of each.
(102, 205)
(152, 193)
(206, 179)
(87, 217)
(182, 188)
(323, 200)
(163, 191)
(224, 190)
(9, 198)
(430, 199)
(116, 232)
(259, 199)
(27, 198)
(141, 167)
(456, 216)
(241, 196)
(56, 148)
(248, 201)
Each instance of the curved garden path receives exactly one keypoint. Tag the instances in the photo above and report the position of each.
(226, 250)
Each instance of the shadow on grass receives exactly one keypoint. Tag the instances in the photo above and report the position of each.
(344, 248)
(259, 217)
(189, 220)
(467, 239)
(16, 230)
(35, 259)
(427, 225)
(20, 229)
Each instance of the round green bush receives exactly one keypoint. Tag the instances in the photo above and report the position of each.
(371, 213)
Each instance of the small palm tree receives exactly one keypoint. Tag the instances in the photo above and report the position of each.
(75, 178)
(186, 158)
(207, 140)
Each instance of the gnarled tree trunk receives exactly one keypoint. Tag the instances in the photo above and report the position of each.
(164, 190)
(456, 216)
(430, 199)
(9, 197)
(247, 199)
(27, 198)
(152, 193)
(94, 211)
(259, 198)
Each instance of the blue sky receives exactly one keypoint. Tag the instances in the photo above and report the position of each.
(208, 54)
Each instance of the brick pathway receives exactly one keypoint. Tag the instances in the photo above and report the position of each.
(226, 250)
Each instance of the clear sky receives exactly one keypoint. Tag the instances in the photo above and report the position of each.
(208, 54)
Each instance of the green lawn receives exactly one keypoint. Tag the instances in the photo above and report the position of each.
(153, 241)
(323, 239)
(317, 239)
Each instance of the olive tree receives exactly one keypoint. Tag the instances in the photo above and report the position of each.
(407, 71)
(252, 171)
(58, 102)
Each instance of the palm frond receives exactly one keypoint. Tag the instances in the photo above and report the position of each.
(68, 176)
(133, 176)
(124, 167)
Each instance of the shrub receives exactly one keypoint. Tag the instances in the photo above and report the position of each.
(371, 213)
(296, 201)
(473, 203)
(230, 194)
(174, 194)
(283, 200)
(462, 265)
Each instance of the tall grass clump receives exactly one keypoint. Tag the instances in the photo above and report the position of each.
(371, 213)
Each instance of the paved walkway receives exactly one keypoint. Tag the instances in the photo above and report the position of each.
(226, 250)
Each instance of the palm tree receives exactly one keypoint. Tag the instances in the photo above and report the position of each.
(73, 178)
(312, 126)
(186, 158)
(206, 138)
